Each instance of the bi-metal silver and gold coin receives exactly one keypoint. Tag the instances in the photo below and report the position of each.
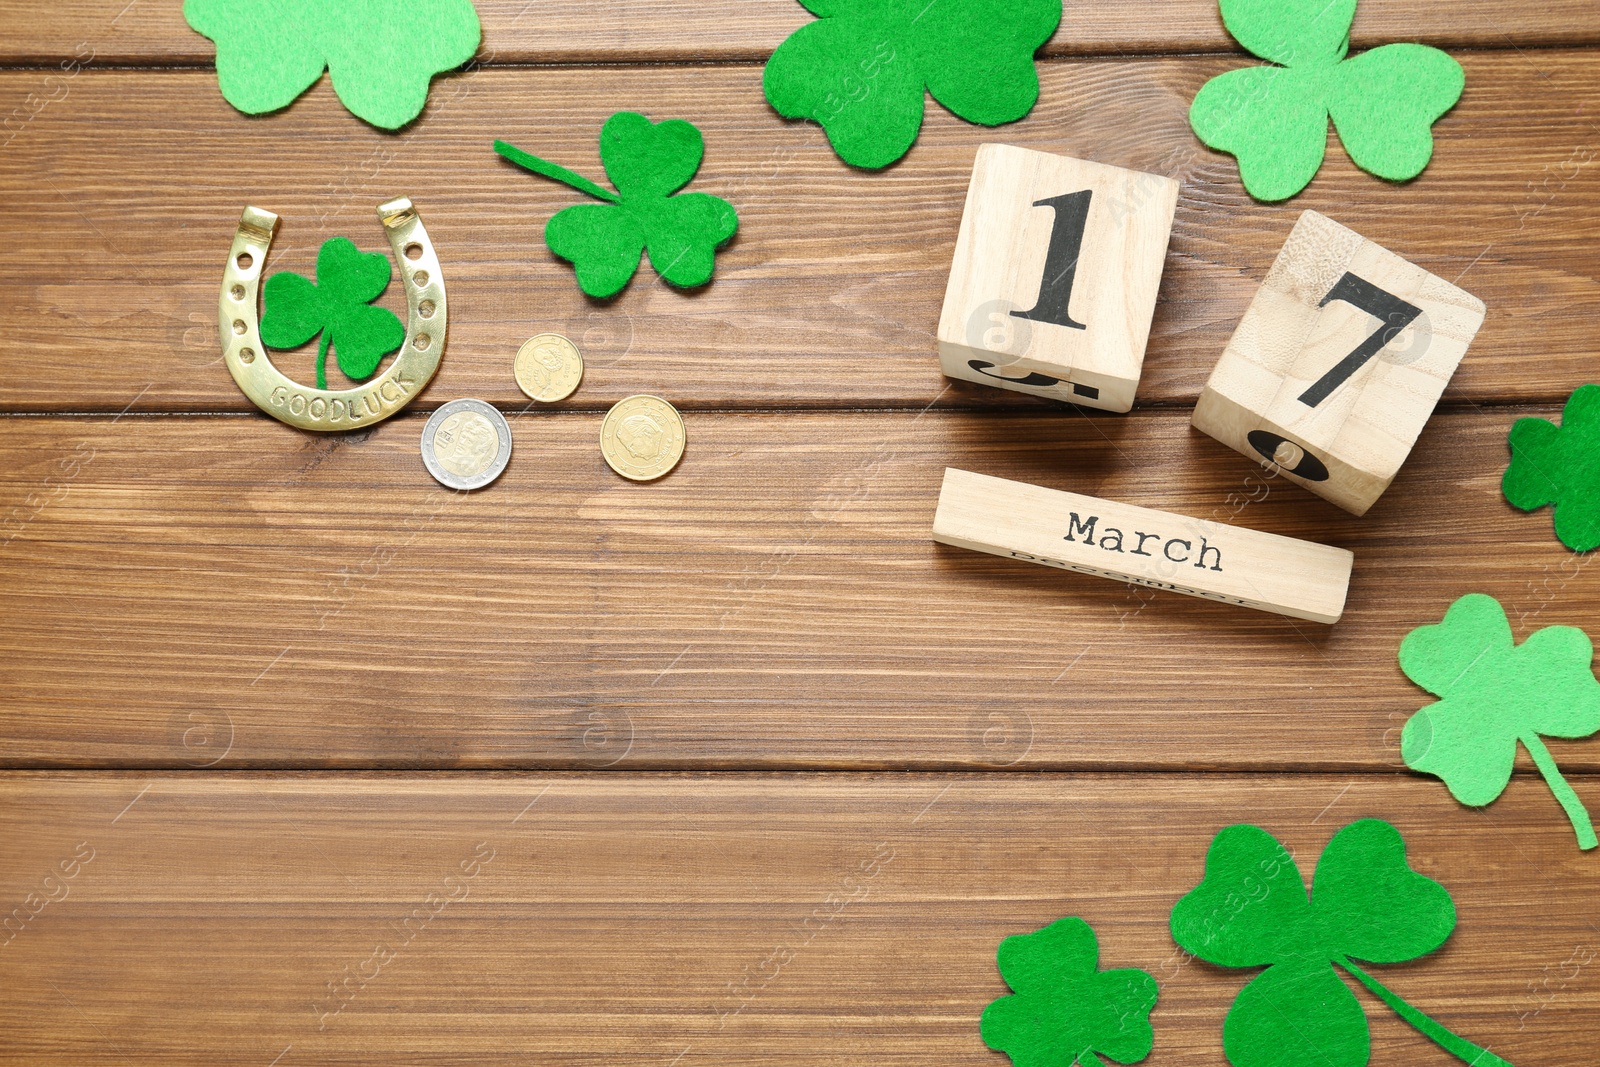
(642, 437)
(549, 367)
(466, 444)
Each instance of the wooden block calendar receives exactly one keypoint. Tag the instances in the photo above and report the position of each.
(1158, 549)
(1054, 281)
(1338, 363)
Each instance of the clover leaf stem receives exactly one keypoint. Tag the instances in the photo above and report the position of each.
(1576, 812)
(551, 170)
(1459, 1047)
(322, 361)
(1089, 1059)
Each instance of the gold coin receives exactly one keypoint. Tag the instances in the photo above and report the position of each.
(642, 437)
(549, 367)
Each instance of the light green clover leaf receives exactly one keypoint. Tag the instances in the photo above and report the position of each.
(648, 163)
(336, 305)
(382, 53)
(1494, 693)
(1064, 1008)
(861, 69)
(1366, 903)
(1275, 119)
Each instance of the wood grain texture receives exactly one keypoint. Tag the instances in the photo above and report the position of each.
(720, 919)
(558, 31)
(830, 294)
(187, 585)
(1331, 297)
(1023, 270)
(185, 591)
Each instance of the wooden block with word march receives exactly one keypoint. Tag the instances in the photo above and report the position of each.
(1055, 276)
(1338, 363)
(1158, 549)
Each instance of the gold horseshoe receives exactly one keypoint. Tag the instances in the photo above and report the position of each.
(333, 409)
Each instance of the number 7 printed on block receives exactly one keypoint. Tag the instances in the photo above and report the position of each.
(1338, 363)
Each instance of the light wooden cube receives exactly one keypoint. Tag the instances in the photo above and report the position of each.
(1338, 363)
(1158, 549)
(1055, 276)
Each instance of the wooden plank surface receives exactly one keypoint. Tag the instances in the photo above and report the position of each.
(186, 591)
(720, 919)
(557, 31)
(187, 586)
(830, 294)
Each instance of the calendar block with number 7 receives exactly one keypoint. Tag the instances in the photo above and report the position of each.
(1338, 363)
(1054, 281)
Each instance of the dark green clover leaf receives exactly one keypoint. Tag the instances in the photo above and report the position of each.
(1494, 693)
(1561, 466)
(1275, 119)
(382, 53)
(861, 69)
(647, 162)
(336, 306)
(1366, 903)
(1066, 1009)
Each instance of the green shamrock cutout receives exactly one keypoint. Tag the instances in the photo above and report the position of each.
(336, 305)
(1494, 693)
(1065, 1009)
(1383, 102)
(861, 69)
(647, 162)
(382, 53)
(1251, 910)
(1560, 466)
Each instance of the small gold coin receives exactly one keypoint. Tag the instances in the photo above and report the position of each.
(549, 367)
(642, 437)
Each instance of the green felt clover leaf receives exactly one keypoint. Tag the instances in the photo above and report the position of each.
(861, 68)
(1494, 693)
(382, 53)
(1560, 466)
(647, 162)
(336, 305)
(1251, 910)
(1275, 119)
(1065, 1009)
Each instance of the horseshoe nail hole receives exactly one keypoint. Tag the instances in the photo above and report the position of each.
(247, 355)
(425, 309)
(421, 278)
(422, 342)
(237, 292)
(245, 260)
(413, 251)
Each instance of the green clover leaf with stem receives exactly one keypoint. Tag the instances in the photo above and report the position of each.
(861, 69)
(1064, 1009)
(382, 53)
(647, 163)
(336, 305)
(1274, 119)
(1251, 910)
(1560, 465)
(1494, 693)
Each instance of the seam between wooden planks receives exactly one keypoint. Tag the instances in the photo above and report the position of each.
(178, 63)
(1017, 410)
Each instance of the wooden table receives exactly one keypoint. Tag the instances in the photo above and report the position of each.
(737, 767)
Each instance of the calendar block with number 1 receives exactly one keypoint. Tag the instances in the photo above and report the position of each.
(1338, 363)
(1054, 282)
